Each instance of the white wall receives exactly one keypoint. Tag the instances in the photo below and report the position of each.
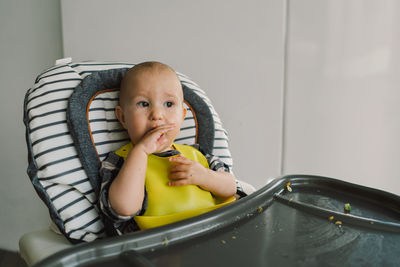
(232, 49)
(342, 93)
(30, 41)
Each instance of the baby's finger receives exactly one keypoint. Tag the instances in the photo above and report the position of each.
(178, 168)
(178, 175)
(180, 159)
(154, 136)
(178, 182)
(165, 127)
(160, 131)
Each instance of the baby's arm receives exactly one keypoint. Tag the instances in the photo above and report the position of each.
(186, 171)
(126, 192)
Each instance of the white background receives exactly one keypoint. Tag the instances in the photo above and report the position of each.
(304, 86)
(342, 99)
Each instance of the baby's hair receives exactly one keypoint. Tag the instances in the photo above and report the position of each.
(137, 70)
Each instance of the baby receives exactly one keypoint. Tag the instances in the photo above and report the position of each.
(151, 110)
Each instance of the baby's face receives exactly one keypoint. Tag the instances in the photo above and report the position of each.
(155, 98)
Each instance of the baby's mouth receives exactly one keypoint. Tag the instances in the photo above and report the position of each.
(155, 127)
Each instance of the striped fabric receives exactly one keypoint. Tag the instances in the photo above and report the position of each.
(55, 168)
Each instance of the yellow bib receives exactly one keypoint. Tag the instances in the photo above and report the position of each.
(168, 204)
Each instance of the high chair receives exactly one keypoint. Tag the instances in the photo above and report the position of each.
(294, 220)
(70, 129)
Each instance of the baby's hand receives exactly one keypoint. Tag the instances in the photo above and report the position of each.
(155, 140)
(186, 171)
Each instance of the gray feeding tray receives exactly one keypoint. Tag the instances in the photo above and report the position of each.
(303, 223)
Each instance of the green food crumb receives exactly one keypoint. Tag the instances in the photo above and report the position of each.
(347, 207)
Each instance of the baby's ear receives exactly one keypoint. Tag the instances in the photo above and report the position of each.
(120, 115)
(184, 112)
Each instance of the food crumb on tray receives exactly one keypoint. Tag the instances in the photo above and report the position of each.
(288, 187)
(347, 207)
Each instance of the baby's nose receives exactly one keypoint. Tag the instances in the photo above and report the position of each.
(156, 113)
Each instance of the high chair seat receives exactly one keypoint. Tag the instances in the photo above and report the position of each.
(37, 245)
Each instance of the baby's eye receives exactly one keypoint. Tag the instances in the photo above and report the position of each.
(169, 104)
(143, 104)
